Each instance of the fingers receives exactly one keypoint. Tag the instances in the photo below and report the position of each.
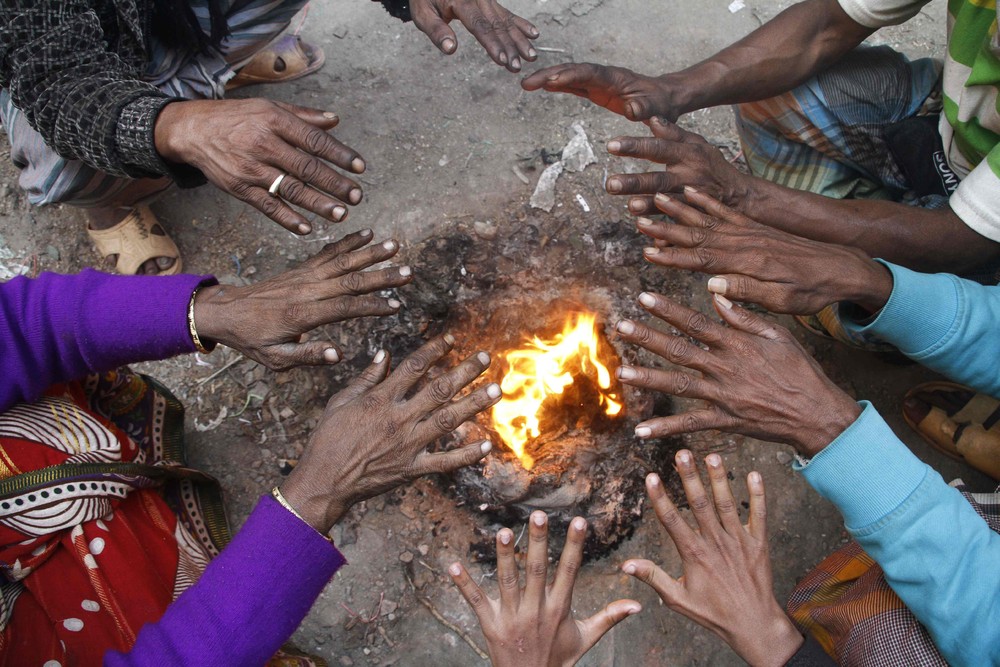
(600, 623)
(295, 192)
(757, 525)
(563, 78)
(686, 422)
(437, 29)
(714, 207)
(452, 460)
(648, 573)
(652, 149)
(376, 372)
(508, 578)
(689, 215)
(698, 500)
(417, 364)
(537, 562)
(642, 184)
(272, 207)
(326, 120)
(304, 158)
(504, 35)
(569, 562)
(674, 383)
(472, 593)
(750, 290)
(664, 129)
(291, 355)
(642, 205)
(453, 415)
(446, 387)
(743, 320)
(317, 142)
(346, 244)
(686, 320)
(725, 504)
(679, 531)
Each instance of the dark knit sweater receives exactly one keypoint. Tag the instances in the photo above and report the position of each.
(74, 68)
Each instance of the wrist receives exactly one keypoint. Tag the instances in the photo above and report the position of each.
(773, 643)
(167, 132)
(677, 96)
(209, 318)
(841, 411)
(314, 505)
(872, 286)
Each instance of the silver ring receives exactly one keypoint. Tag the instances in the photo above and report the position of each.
(273, 190)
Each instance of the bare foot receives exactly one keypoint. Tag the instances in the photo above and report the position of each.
(105, 218)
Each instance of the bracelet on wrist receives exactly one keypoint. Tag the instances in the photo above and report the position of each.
(276, 494)
(198, 345)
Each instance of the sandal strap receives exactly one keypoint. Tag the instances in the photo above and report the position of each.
(134, 242)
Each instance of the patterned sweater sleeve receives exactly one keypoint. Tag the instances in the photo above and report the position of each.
(85, 100)
(399, 9)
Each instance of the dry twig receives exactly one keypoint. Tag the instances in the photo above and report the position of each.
(444, 621)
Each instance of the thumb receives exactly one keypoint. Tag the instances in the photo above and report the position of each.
(598, 625)
(432, 25)
(325, 120)
(310, 353)
(743, 320)
(639, 110)
(664, 129)
(744, 288)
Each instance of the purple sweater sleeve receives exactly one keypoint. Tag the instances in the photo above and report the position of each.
(248, 602)
(56, 328)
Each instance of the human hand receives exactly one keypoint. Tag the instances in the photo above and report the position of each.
(756, 263)
(505, 36)
(688, 160)
(627, 93)
(757, 379)
(372, 438)
(243, 146)
(265, 321)
(726, 585)
(534, 626)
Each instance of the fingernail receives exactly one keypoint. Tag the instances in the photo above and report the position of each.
(538, 518)
(626, 373)
(358, 165)
(755, 478)
(688, 188)
(532, 53)
(503, 58)
(650, 251)
(614, 146)
(405, 271)
(614, 185)
(393, 303)
(339, 212)
(484, 358)
(626, 327)
(643, 431)
(684, 456)
(354, 195)
(628, 568)
(534, 32)
(647, 299)
(455, 569)
(505, 536)
(448, 45)
(553, 77)
(717, 285)
(662, 198)
(329, 115)
(448, 338)
(304, 228)
(652, 479)
(379, 357)
(633, 609)
(724, 302)
(485, 446)
(644, 222)
(389, 245)
(494, 391)
(713, 460)
(330, 355)
(579, 523)
(365, 232)
(515, 63)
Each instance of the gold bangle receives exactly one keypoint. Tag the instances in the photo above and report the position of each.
(191, 327)
(276, 492)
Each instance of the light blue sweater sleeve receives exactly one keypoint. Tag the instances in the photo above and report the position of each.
(938, 555)
(946, 323)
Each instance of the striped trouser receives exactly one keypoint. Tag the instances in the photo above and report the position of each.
(48, 178)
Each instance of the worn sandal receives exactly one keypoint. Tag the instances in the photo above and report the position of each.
(137, 239)
(286, 59)
(958, 422)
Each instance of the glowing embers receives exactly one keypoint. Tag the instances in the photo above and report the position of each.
(556, 383)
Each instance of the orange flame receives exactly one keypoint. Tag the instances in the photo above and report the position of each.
(546, 368)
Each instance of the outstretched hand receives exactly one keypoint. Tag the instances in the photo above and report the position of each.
(266, 321)
(626, 93)
(756, 378)
(752, 262)
(534, 626)
(687, 159)
(505, 36)
(374, 433)
(726, 585)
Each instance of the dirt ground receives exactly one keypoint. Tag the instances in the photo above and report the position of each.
(441, 137)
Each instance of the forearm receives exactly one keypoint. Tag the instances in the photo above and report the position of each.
(56, 328)
(249, 600)
(921, 239)
(938, 555)
(784, 52)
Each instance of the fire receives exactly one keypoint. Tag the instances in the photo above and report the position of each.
(546, 368)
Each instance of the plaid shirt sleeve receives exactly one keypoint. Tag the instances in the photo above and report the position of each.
(86, 101)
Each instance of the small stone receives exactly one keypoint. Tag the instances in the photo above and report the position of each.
(388, 606)
(340, 31)
(406, 557)
(286, 413)
(784, 458)
(346, 662)
(485, 230)
(424, 549)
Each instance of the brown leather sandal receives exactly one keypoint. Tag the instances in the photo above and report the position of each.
(137, 239)
(958, 422)
(286, 59)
